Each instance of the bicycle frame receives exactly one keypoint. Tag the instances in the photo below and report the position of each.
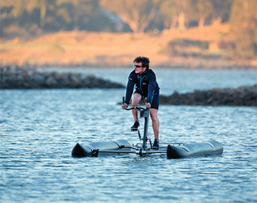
(144, 113)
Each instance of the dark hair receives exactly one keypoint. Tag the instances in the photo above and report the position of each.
(145, 61)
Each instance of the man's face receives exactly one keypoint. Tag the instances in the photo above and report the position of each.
(138, 68)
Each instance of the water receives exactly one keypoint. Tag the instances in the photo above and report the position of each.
(39, 128)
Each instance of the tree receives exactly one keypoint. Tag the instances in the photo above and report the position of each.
(243, 27)
(175, 13)
(137, 14)
(221, 10)
(202, 10)
(42, 12)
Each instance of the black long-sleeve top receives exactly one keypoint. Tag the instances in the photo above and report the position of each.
(146, 85)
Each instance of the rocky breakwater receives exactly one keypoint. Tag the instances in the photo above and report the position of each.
(241, 96)
(14, 77)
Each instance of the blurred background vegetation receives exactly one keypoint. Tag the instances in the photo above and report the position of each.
(30, 18)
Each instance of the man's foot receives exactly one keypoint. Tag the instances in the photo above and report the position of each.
(135, 126)
(156, 144)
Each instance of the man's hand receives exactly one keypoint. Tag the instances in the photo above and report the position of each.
(148, 105)
(124, 106)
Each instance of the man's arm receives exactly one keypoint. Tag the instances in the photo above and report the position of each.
(130, 87)
(151, 87)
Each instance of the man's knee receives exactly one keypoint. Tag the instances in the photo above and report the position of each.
(136, 98)
(154, 116)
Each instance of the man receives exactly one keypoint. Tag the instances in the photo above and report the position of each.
(146, 87)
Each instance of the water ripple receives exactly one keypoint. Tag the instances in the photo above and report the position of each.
(40, 128)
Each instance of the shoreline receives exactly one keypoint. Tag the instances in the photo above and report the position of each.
(183, 64)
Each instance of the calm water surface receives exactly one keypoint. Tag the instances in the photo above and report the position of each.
(39, 128)
(181, 80)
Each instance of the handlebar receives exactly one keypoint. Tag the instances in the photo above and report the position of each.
(135, 107)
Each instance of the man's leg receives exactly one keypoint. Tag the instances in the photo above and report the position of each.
(155, 123)
(135, 100)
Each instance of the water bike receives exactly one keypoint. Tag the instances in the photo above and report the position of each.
(173, 150)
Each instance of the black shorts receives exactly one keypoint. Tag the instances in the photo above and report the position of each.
(155, 102)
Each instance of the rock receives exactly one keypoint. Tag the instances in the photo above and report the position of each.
(241, 96)
(15, 77)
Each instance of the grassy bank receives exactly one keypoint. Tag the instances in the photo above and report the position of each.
(79, 48)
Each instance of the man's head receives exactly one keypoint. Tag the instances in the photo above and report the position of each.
(141, 64)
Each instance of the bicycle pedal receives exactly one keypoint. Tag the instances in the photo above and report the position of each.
(134, 130)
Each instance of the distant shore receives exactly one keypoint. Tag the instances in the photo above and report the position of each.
(176, 64)
(103, 49)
